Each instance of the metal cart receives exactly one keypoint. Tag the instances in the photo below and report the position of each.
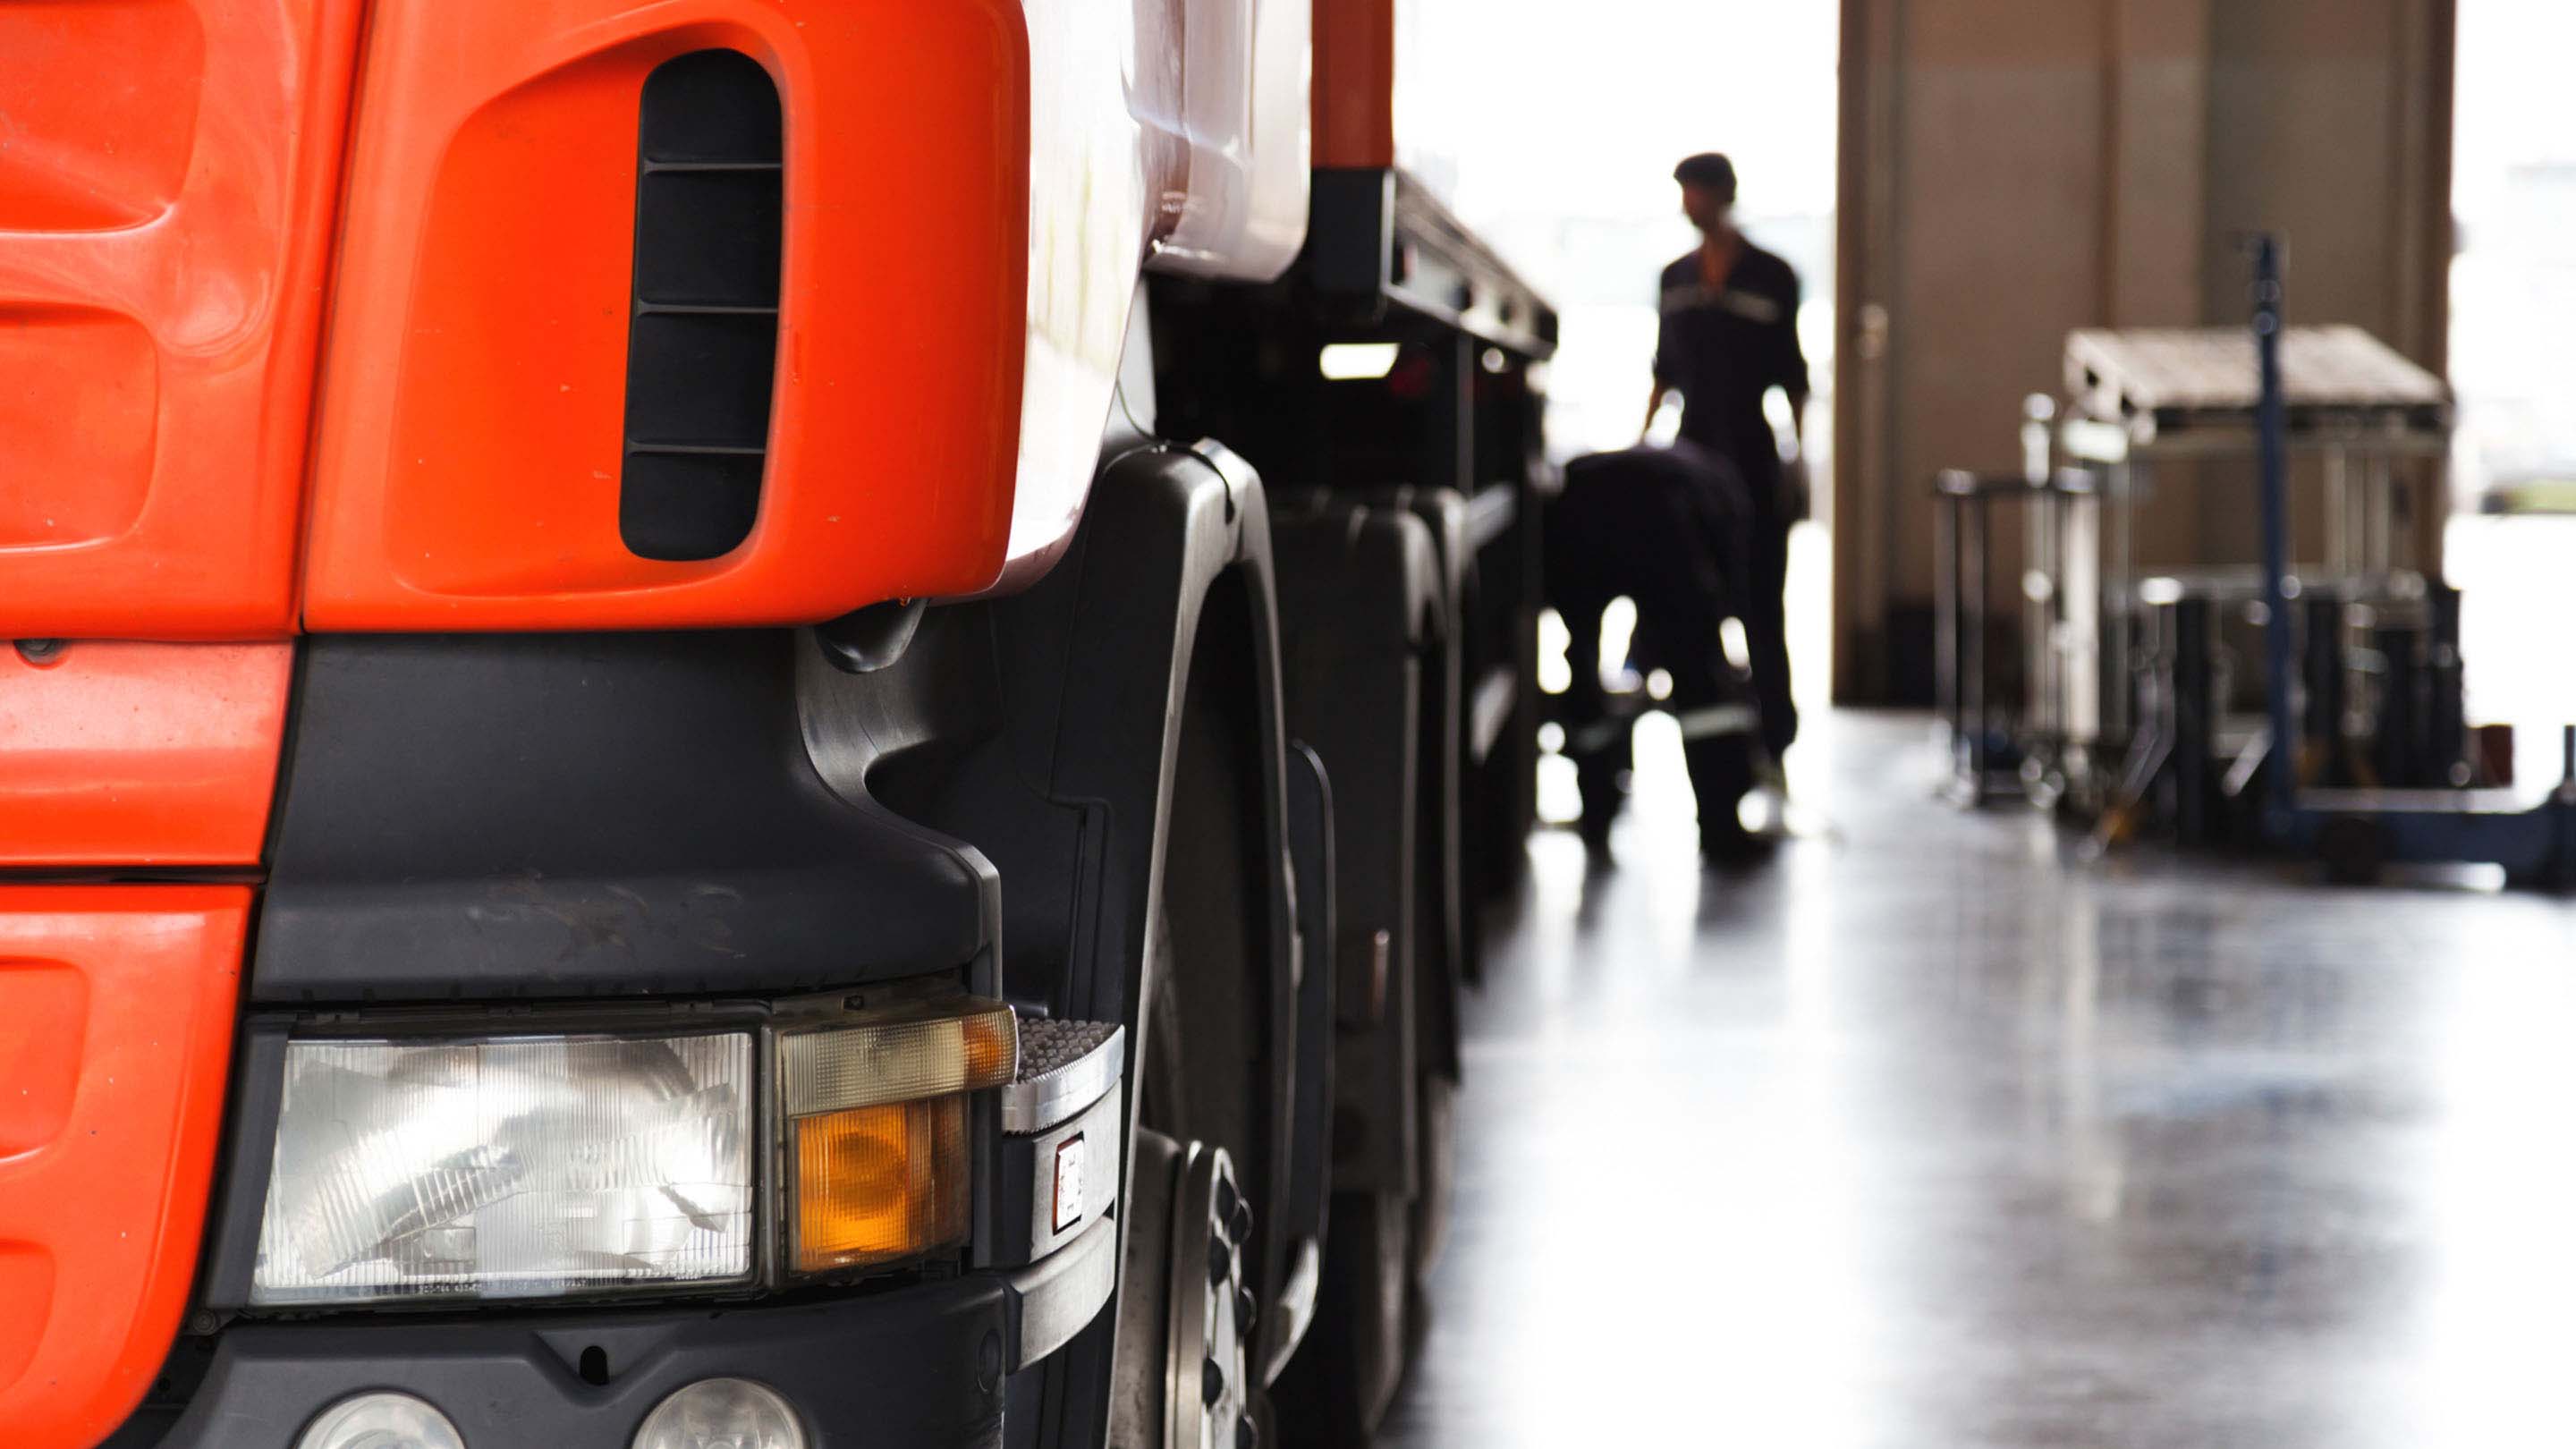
(2144, 398)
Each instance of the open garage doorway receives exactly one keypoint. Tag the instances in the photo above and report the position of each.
(1552, 129)
(2513, 309)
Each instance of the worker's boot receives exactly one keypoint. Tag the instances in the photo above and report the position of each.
(1721, 772)
(1600, 751)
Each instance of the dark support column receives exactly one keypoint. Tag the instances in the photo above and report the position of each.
(1973, 583)
(2399, 755)
(2321, 727)
(2446, 726)
(1945, 620)
(2194, 720)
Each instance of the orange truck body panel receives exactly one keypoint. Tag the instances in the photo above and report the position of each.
(116, 1022)
(165, 226)
(131, 754)
(1354, 96)
(471, 438)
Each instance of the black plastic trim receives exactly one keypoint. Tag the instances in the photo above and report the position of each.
(241, 1192)
(1350, 239)
(1310, 847)
(918, 1367)
(553, 816)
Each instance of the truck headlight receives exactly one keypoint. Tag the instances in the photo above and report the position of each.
(510, 1167)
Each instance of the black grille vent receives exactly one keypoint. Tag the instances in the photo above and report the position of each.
(703, 345)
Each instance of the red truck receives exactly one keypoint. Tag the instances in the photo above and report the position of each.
(712, 734)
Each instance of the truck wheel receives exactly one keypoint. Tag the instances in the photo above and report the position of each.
(1337, 1387)
(1184, 1377)
(1210, 1091)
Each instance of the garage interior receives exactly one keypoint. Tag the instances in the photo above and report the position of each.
(1286, 724)
(2021, 1110)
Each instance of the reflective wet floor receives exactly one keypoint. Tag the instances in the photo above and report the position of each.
(1928, 1136)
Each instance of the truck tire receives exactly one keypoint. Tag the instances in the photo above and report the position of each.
(1211, 1093)
(1374, 1305)
(1344, 1376)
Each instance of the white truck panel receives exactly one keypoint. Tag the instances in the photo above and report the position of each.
(1170, 133)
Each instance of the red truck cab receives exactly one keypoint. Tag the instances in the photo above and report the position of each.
(571, 576)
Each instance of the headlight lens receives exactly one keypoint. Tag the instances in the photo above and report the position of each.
(513, 1167)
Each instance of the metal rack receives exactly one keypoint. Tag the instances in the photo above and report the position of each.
(1963, 679)
(2146, 398)
(2360, 746)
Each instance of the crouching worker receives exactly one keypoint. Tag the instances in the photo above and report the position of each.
(1670, 530)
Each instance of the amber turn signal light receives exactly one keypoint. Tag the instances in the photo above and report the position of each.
(877, 1130)
(880, 1184)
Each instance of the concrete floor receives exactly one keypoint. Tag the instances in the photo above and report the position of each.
(1926, 1137)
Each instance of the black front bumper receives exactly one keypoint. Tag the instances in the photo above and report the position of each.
(919, 1367)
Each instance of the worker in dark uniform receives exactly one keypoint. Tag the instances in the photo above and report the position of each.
(1729, 335)
(1666, 528)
